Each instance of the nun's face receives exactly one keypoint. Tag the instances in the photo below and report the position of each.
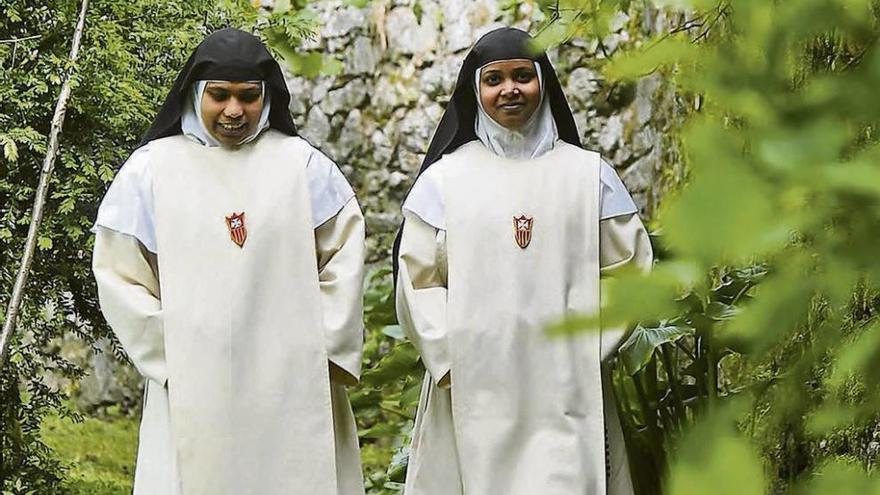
(231, 110)
(510, 92)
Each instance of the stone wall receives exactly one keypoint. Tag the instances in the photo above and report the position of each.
(400, 62)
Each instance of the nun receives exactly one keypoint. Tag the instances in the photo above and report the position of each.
(508, 228)
(229, 261)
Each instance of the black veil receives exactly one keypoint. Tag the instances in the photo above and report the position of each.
(457, 124)
(229, 55)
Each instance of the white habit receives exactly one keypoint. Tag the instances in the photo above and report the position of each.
(238, 344)
(525, 414)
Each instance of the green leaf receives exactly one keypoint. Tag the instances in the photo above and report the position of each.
(855, 356)
(636, 352)
(713, 454)
(719, 311)
(393, 331)
(44, 242)
(381, 430)
(10, 149)
(862, 177)
(403, 360)
(330, 66)
(781, 303)
(304, 64)
(714, 219)
(830, 417)
(840, 476)
(638, 63)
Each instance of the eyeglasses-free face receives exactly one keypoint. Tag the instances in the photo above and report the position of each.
(510, 92)
(231, 110)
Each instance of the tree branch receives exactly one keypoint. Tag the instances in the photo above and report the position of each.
(42, 191)
(16, 40)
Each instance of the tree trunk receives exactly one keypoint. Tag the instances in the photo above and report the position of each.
(40, 200)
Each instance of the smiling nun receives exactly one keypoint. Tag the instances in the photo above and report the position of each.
(229, 261)
(507, 229)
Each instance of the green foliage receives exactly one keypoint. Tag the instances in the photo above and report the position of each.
(284, 27)
(100, 453)
(755, 366)
(130, 54)
(567, 19)
(385, 401)
(667, 374)
(358, 3)
(737, 472)
(643, 342)
(783, 170)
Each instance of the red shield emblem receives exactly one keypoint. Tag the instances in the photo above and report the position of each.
(237, 230)
(522, 230)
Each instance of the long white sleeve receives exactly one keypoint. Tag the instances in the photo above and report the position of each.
(339, 243)
(623, 244)
(421, 293)
(128, 292)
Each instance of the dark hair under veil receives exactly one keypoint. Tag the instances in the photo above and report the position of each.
(228, 55)
(457, 124)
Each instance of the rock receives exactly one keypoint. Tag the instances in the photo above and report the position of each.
(618, 22)
(644, 140)
(438, 80)
(434, 112)
(383, 148)
(383, 97)
(382, 222)
(406, 35)
(416, 128)
(350, 138)
(363, 58)
(610, 134)
(336, 45)
(459, 34)
(320, 87)
(317, 128)
(345, 98)
(397, 178)
(582, 124)
(109, 382)
(431, 81)
(394, 90)
(582, 85)
(482, 30)
(409, 162)
(336, 122)
(460, 17)
(376, 180)
(342, 22)
(610, 44)
(640, 175)
(298, 88)
(646, 91)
